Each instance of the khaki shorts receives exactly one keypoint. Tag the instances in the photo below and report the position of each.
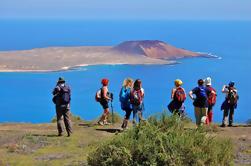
(199, 113)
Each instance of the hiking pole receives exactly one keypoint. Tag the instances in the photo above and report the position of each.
(112, 107)
(112, 112)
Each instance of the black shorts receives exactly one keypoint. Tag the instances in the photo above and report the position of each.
(104, 104)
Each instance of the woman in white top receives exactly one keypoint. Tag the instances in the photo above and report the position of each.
(137, 100)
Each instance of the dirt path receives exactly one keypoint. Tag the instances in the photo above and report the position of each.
(241, 136)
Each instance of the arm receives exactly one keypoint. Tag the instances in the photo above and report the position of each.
(56, 90)
(224, 89)
(172, 93)
(105, 94)
(142, 92)
(191, 95)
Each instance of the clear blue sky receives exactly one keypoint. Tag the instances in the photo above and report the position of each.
(127, 9)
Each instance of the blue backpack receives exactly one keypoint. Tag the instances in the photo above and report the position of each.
(202, 94)
(124, 96)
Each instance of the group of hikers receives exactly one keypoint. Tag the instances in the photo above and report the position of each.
(131, 97)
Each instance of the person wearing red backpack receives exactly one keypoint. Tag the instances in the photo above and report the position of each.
(211, 99)
(137, 98)
(178, 96)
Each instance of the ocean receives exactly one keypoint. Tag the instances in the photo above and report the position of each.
(26, 97)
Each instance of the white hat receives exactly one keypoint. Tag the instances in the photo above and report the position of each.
(208, 81)
(203, 119)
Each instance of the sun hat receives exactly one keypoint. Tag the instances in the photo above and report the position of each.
(61, 80)
(178, 82)
(104, 81)
(231, 84)
(203, 120)
(208, 81)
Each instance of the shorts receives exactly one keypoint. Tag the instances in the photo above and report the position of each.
(104, 104)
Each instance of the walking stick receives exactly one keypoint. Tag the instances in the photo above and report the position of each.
(112, 112)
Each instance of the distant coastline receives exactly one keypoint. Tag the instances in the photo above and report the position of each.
(51, 59)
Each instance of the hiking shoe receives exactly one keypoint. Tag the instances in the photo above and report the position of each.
(101, 123)
(60, 134)
(223, 125)
(230, 125)
(68, 135)
(107, 123)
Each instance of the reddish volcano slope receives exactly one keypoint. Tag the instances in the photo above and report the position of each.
(154, 49)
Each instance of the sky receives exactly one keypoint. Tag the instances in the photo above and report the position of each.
(127, 9)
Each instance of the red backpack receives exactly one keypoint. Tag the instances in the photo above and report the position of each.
(136, 97)
(180, 95)
(212, 96)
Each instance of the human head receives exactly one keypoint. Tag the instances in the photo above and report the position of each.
(208, 81)
(231, 84)
(104, 81)
(178, 82)
(200, 82)
(137, 84)
(128, 82)
(61, 80)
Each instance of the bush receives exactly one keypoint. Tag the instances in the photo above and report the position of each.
(74, 118)
(116, 118)
(163, 140)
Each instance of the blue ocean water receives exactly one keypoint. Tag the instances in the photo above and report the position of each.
(26, 97)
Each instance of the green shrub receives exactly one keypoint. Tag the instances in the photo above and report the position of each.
(163, 140)
(116, 117)
(74, 118)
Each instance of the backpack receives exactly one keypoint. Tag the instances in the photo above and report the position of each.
(136, 97)
(232, 97)
(212, 96)
(180, 95)
(64, 95)
(124, 95)
(98, 95)
(202, 95)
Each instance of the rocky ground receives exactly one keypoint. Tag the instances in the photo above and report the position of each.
(38, 144)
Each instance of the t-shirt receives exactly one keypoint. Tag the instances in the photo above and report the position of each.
(201, 93)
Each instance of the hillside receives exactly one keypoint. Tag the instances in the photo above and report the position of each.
(154, 49)
(38, 144)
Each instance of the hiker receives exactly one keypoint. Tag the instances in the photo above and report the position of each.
(137, 98)
(211, 99)
(103, 97)
(124, 98)
(62, 98)
(200, 101)
(229, 104)
(178, 96)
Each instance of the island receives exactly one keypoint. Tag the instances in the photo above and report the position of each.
(65, 58)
